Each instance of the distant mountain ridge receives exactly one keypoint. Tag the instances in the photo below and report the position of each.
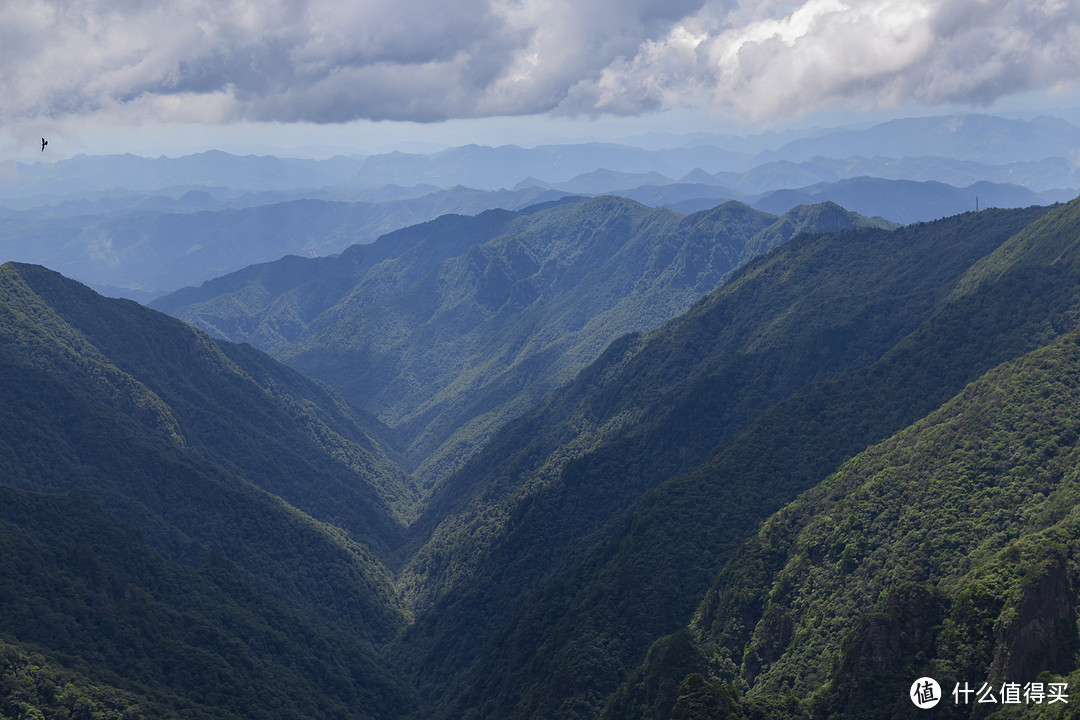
(140, 227)
(902, 201)
(972, 138)
(213, 168)
(142, 252)
(145, 254)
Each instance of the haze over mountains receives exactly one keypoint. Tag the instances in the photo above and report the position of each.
(141, 227)
(578, 457)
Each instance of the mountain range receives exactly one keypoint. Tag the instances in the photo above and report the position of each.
(579, 459)
(943, 550)
(984, 140)
(143, 253)
(143, 247)
(142, 227)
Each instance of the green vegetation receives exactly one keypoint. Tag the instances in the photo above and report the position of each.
(948, 550)
(214, 581)
(143, 631)
(803, 440)
(32, 688)
(852, 464)
(449, 329)
(556, 482)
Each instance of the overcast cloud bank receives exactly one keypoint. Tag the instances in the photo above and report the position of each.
(330, 61)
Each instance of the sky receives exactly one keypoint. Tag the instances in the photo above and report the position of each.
(316, 77)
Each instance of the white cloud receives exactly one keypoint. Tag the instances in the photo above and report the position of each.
(782, 60)
(335, 60)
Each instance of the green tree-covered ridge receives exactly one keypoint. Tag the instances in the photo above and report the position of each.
(448, 329)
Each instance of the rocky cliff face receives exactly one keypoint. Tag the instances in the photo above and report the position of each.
(884, 651)
(1040, 632)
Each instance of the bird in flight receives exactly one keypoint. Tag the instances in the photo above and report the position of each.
(44, 142)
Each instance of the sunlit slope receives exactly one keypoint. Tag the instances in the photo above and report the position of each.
(1033, 298)
(947, 550)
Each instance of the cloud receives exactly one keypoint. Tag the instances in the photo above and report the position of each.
(782, 61)
(334, 61)
(314, 60)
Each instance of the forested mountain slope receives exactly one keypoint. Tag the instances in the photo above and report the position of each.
(97, 624)
(446, 330)
(203, 506)
(946, 550)
(556, 483)
(221, 400)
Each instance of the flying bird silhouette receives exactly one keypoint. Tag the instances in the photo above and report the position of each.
(44, 142)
